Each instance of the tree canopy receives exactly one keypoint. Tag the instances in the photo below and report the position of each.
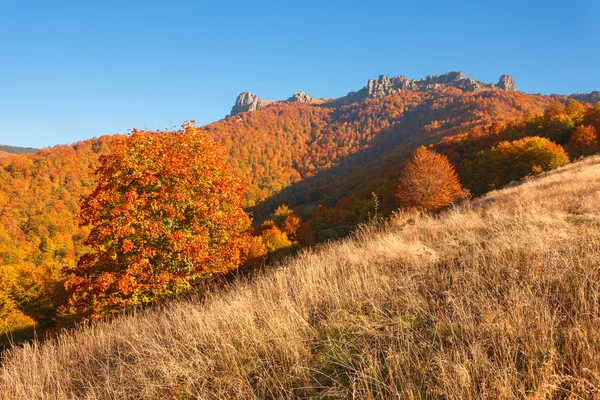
(583, 141)
(429, 182)
(166, 211)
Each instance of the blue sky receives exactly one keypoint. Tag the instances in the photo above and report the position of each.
(72, 70)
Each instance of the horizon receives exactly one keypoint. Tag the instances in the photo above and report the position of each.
(77, 71)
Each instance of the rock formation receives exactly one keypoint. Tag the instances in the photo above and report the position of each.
(383, 86)
(506, 82)
(300, 97)
(246, 101)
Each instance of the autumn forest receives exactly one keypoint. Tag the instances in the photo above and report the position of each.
(99, 227)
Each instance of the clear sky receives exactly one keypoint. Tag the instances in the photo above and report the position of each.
(72, 70)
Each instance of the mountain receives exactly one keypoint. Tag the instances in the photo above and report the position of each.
(497, 298)
(381, 87)
(297, 153)
(327, 162)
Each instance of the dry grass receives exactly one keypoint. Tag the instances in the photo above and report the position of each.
(495, 299)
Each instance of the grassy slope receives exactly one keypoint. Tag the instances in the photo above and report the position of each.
(496, 299)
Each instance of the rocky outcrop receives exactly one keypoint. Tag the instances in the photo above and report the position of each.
(384, 86)
(246, 101)
(506, 82)
(300, 97)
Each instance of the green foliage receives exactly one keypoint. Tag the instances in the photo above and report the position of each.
(281, 214)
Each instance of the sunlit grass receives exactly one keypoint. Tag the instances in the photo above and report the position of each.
(499, 298)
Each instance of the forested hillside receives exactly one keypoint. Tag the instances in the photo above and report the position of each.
(319, 146)
(495, 299)
(335, 167)
(39, 199)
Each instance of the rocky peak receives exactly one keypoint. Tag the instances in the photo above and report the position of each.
(506, 82)
(246, 101)
(384, 86)
(300, 97)
(447, 79)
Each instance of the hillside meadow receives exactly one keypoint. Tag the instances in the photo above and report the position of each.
(323, 163)
(495, 298)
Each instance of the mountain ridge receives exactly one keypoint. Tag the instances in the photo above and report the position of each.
(7, 151)
(324, 163)
(383, 86)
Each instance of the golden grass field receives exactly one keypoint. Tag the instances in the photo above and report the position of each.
(498, 298)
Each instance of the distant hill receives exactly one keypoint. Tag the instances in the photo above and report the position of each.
(9, 150)
(592, 98)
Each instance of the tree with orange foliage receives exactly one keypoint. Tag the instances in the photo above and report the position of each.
(285, 220)
(291, 225)
(583, 141)
(274, 239)
(429, 182)
(166, 212)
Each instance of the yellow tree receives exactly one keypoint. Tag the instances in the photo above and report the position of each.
(274, 239)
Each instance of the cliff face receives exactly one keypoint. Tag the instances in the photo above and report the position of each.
(246, 101)
(383, 86)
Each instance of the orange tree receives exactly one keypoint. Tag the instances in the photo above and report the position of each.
(583, 141)
(166, 212)
(429, 182)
